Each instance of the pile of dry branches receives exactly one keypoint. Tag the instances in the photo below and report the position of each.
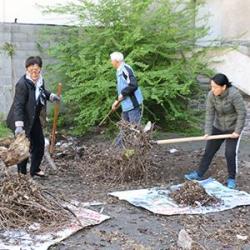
(23, 203)
(191, 193)
(129, 162)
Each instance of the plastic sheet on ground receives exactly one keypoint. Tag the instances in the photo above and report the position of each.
(157, 199)
(23, 240)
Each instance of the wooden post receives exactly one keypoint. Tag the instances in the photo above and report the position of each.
(55, 120)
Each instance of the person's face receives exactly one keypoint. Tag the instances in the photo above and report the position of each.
(115, 64)
(217, 89)
(34, 71)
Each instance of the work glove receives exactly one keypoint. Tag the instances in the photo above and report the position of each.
(19, 130)
(54, 98)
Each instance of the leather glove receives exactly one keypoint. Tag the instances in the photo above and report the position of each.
(19, 130)
(54, 98)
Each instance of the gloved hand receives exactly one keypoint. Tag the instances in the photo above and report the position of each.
(54, 98)
(115, 105)
(19, 130)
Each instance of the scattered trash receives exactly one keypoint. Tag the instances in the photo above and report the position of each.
(173, 150)
(93, 203)
(184, 240)
(69, 149)
(241, 237)
(148, 127)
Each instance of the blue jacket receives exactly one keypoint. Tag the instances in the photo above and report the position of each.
(128, 87)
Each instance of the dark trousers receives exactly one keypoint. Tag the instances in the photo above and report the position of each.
(132, 116)
(213, 146)
(36, 149)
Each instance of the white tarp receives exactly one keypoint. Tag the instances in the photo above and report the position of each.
(23, 240)
(157, 199)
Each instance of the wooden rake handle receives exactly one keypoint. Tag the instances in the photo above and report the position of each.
(105, 118)
(196, 138)
(55, 120)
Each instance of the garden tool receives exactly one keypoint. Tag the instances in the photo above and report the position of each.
(105, 118)
(190, 139)
(55, 120)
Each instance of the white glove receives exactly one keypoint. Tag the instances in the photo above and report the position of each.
(19, 130)
(54, 98)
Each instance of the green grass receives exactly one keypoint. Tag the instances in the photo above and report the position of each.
(4, 131)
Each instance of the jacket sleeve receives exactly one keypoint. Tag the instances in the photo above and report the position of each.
(19, 103)
(210, 115)
(47, 94)
(240, 110)
(131, 81)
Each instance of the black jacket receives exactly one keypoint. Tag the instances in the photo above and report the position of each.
(25, 107)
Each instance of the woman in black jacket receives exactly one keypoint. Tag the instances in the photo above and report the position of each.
(25, 114)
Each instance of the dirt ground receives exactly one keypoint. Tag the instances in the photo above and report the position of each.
(135, 228)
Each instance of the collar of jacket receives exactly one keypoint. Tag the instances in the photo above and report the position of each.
(224, 94)
(33, 86)
(120, 68)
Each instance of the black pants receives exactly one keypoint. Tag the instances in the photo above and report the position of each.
(213, 146)
(36, 149)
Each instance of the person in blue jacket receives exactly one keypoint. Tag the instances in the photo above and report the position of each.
(129, 94)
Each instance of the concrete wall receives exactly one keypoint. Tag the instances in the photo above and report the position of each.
(228, 21)
(24, 37)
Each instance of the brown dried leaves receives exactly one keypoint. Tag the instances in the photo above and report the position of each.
(17, 151)
(191, 193)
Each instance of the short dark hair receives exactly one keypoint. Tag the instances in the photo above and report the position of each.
(221, 79)
(32, 60)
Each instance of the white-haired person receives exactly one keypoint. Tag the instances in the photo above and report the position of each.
(129, 95)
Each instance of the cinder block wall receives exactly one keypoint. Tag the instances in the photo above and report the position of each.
(25, 39)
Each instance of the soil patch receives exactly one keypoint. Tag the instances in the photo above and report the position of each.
(129, 226)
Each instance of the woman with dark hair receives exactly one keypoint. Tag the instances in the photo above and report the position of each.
(26, 112)
(225, 114)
